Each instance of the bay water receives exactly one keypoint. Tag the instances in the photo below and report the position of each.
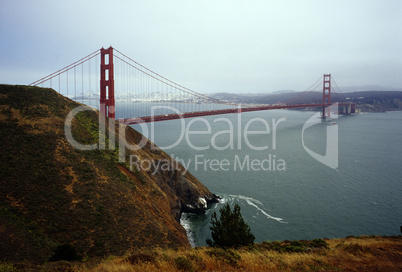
(263, 161)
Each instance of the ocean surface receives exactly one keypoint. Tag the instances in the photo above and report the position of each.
(262, 161)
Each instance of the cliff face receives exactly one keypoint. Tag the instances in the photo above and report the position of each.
(52, 193)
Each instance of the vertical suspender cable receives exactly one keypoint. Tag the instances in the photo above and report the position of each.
(67, 82)
(89, 81)
(167, 98)
(96, 83)
(123, 89)
(75, 86)
(128, 86)
(126, 80)
(82, 83)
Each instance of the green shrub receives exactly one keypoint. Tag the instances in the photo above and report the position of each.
(227, 255)
(230, 230)
(184, 264)
(319, 243)
(7, 267)
(297, 244)
(293, 249)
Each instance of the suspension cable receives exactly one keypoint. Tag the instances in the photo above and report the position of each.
(305, 92)
(339, 93)
(167, 80)
(64, 69)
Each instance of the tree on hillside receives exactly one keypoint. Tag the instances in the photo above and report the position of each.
(230, 230)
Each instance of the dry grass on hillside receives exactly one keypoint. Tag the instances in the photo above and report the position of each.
(367, 253)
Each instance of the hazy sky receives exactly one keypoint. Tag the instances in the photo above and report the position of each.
(211, 46)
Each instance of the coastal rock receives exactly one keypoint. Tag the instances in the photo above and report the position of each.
(178, 183)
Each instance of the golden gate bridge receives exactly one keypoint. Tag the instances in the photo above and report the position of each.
(123, 89)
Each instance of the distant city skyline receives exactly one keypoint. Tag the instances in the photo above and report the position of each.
(211, 46)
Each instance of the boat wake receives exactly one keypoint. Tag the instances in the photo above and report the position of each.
(231, 199)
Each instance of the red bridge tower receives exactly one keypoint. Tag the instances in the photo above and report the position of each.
(107, 106)
(326, 95)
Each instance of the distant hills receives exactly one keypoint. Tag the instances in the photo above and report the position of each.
(368, 101)
(347, 89)
(365, 88)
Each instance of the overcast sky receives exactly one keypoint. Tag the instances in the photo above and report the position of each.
(211, 46)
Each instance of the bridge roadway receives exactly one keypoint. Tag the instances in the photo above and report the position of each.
(165, 117)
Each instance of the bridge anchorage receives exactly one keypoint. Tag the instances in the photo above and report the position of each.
(128, 90)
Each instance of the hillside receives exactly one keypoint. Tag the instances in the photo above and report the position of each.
(53, 194)
(365, 253)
